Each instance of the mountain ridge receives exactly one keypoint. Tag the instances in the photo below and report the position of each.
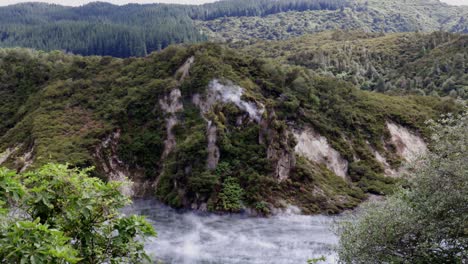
(135, 30)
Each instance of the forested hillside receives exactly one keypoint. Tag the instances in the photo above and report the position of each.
(369, 16)
(123, 31)
(96, 28)
(206, 127)
(136, 30)
(402, 63)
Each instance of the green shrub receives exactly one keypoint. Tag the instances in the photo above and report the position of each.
(424, 221)
(230, 197)
(67, 217)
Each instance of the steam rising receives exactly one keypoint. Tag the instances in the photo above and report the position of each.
(232, 94)
(194, 238)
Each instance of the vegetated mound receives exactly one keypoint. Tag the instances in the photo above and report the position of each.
(206, 127)
(399, 63)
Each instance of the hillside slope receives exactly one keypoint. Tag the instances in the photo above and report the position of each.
(136, 30)
(100, 28)
(205, 127)
(369, 16)
(400, 63)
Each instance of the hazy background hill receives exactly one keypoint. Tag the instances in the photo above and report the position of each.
(398, 63)
(370, 16)
(136, 30)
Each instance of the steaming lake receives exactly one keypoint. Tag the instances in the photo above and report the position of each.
(186, 237)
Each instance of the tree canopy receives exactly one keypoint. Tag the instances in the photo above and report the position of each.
(56, 214)
(426, 220)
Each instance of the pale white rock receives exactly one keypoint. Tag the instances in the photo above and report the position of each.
(185, 68)
(114, 168)
(213, 150)
(284, 162)
(408, 145)
(172, 104)
(6, 154)
(226, 93)
(388, 170)
(28, 159)
(316, 148)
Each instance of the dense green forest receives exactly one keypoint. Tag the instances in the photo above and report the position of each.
(369, 16)
(123, 31)
(136, 30)
(147, 118)
(96, 28)
(402, 63)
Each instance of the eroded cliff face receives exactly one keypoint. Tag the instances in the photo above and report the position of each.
(230, 93)
(171, 104)
(219, 92)
(388, 169)
(408, 144)
(213, 150)
(204, 105)
(282, 142)
(26, 160)
(278, 142)
(5, 155)
(317, 149)
(115, 169)
(21, 156)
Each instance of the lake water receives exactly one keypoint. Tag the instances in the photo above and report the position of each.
(186, 237)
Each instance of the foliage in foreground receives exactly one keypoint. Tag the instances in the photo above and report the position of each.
(61, 215)
(425, 222)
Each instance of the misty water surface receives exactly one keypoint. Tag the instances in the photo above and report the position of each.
(187, 237)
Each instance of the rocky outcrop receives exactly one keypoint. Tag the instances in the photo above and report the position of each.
(135, 184)
(388, 170)
(230, 93)
(171, 104)
(226, 93)
(4, 156)
(284, 161)
(408, 144)
(279, 151)
(26, 160)
(315, 147)
(205, 104)
(113, 167)
(22, 161)
(185, 69)
(213, 150)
